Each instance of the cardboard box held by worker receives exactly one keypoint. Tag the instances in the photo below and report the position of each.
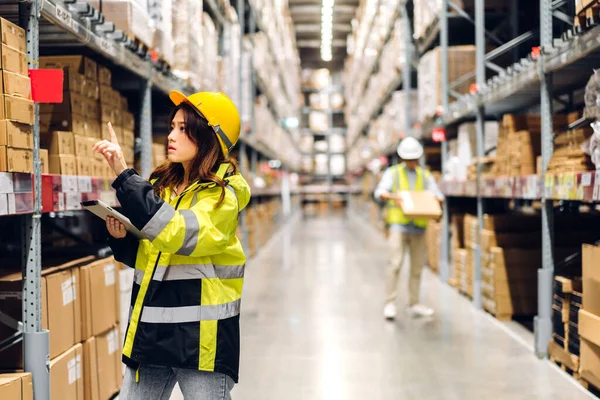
(422, 204)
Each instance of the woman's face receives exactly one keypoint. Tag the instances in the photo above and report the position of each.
(181, 148)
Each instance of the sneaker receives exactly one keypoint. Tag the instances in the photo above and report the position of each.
(419, 310)
(389, 311)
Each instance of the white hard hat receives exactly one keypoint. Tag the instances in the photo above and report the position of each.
(410, 149)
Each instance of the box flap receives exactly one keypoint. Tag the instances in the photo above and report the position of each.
(589, 326)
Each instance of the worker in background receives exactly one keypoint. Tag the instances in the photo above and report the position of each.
(405, 235)
(189, 268)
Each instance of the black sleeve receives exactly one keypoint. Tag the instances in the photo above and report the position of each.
(125, 250)
(137, 198)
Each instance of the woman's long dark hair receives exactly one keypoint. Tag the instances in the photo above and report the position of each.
(206, 162)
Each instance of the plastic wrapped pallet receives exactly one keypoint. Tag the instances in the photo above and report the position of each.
(187, 41)
(230, 84)
(211, 53)
(161, 15)
(246, 89)
(461, 61)
(130, 16)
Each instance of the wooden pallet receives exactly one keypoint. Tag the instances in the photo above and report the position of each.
(591, 386)
(587, 18)
(566, 361)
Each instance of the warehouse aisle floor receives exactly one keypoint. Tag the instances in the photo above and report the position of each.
(312, 329)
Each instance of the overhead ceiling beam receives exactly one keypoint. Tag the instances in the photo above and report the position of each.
(316, 28)
(315, 44)
(316, 9)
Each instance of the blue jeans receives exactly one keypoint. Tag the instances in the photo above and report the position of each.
(157, 383)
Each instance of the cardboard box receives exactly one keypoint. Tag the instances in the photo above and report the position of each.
(99, 294)
(63, 164)
(102, 376)
(83, 146)
(14, 61)
(45, 161)
(16, 135)
(17, 109)
(62, 142)
(591, 279)
(97, 167)
(104, 76)
(61, 310)
(13, 35)
(16, 85)
(128, 121)
(84, 166)
(80, 64)
(66, 375)
(420, 205)
(91, 89)
(17, 386)
(15, 160)
(589, 368)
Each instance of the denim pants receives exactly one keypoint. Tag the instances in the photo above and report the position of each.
(157, 383)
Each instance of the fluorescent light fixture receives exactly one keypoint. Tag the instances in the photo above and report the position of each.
(326, 29)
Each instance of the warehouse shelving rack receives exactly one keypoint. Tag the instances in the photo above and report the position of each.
(562, 65)
(73, 22)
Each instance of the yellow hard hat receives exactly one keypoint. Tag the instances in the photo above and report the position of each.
(219, 111)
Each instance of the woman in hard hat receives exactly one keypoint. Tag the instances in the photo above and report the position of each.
(406, 235)
(189, 267)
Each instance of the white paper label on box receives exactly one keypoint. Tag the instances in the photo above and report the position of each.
(586, 179)
(112, 342)
(78, 367)
(3, 204)
(84, 184)
(72, 365)
(12, 203)
(110, 277)
(6, 182)
(61, 202)
(69, 183)
(67, 291)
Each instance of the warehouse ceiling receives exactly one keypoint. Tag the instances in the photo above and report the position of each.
(306, 15)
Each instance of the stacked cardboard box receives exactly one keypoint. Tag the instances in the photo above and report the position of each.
(161, 15)
(589, 316)
(565, 345)
(187, 40)
(130, 16)
(461, 61)
(569, 154)
(519, 144)
(16, 107)
(80, 308)
(16, 386)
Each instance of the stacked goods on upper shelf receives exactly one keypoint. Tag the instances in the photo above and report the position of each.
(70, 129)
(570, 149)
(80, 308)
(16, 107)
(589, 317)
(488, 171)
(161, 18)
(130, 16)
(461, 61)
(367, 39)
(566, 342)
(463, 151)
(428, 11)
(388, 128)
(512, 254)
(210, 47)
(188, 64)
(519, 144)
(229, 82)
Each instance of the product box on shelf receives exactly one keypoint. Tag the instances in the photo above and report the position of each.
(102, 365)
(13, 35)
(61, 142)
(99, 283)
(16, 109)
(14, 134)
(83, 146)
(16, 386)
(104, 76)
(45, 161)
(129, 16)
(83, 166)
(63, 164)
(16, 85)
(66, 375)
(591, 278)
(61, 309)
(15, 160)
(14, 61)
(80, 64)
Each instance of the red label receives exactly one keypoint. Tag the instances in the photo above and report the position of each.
(438, 135)
(47, 85)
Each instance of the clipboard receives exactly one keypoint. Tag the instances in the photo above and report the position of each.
(103, 210)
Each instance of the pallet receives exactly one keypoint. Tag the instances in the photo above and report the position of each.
(588, 18)
(566, 361)
(591, 386)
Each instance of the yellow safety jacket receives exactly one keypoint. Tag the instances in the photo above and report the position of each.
(189, 273)
(394, 213)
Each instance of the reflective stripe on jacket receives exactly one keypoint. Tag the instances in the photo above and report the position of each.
(189, 274)
(401, 183)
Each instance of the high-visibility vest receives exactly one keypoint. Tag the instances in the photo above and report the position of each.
(189, 273)
(394, 213)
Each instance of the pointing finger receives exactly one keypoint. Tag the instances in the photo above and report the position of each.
(113, 135)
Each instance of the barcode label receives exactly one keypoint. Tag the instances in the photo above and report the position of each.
(72, 365)
(112, 342)
(109, 275)
(67, 291)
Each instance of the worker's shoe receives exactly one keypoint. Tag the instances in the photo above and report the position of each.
(389, 311)
(419, 310)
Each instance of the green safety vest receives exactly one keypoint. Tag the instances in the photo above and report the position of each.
(394, 213)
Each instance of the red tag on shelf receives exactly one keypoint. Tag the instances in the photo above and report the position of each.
(47, 85)
(154, 55)
(438, 135)
(473, 88)
(536, 51)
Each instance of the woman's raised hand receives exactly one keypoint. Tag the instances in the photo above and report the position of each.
(111, 150)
